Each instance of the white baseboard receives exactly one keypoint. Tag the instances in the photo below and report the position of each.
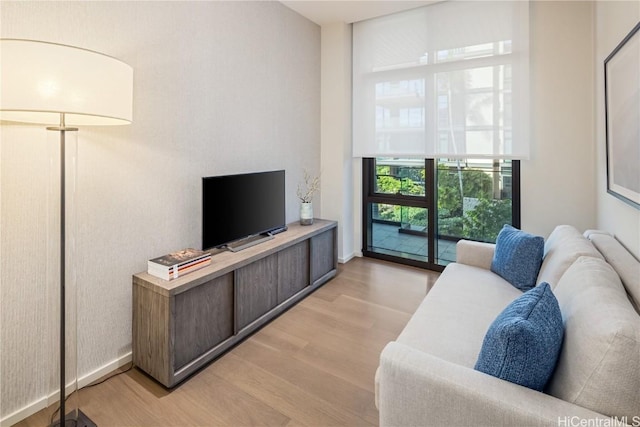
(25, 412)
(347, 258)
(45, 401)
(104, 370)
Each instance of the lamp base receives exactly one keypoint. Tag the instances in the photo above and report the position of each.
(71, 421)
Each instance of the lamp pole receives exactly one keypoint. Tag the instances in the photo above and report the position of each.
(62, 129)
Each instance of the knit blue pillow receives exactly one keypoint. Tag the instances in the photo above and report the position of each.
(518, 257)
(523, 343)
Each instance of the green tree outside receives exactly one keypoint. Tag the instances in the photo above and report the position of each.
(481, 223)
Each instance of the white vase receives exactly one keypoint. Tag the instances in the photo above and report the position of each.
(306, 213)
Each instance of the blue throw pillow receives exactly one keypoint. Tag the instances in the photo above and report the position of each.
(523, 343)
(518, 257)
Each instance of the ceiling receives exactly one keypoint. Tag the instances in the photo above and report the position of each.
(330, 11)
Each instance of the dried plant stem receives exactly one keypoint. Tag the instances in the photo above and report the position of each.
(311, 185)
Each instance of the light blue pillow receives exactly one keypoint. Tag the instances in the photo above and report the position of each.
(518, 257)
(523, 343)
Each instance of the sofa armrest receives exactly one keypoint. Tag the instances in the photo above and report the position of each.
(476, 254)
(416, 388)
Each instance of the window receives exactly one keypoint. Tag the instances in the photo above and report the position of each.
(397, 209)
(475, 198)
(416, 210)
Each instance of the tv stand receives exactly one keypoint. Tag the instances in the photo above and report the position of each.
(247, 242)
(181, 325)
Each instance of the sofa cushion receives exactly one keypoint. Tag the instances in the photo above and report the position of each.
(599, 364)
(563, 246)
(452, 320)
(522, 344)
(627, 267)
(518, 256)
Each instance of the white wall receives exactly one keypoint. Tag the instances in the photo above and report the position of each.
(558, 182)
(614, 20)
(219, 87)
(336, 154)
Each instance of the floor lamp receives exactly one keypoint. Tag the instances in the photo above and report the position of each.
(64, 86)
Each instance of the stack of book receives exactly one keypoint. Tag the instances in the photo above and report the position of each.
(177, 264)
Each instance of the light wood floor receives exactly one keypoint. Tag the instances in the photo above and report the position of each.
(312, 366)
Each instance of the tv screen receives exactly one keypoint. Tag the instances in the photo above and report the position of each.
(238, 206)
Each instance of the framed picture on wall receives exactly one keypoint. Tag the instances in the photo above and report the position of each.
(622, 115)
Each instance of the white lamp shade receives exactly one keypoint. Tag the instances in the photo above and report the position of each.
(40, 80)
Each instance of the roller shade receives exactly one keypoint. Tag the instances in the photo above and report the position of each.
(448, 80)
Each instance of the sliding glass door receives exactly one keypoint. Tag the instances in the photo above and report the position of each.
(415, 210)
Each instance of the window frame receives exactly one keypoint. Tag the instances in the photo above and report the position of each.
(428, 201)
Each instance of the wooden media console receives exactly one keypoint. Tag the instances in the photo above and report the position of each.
(181, 325)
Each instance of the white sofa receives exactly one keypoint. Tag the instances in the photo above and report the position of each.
(426, 376)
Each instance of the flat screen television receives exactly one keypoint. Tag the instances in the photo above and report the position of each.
(238, 206)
